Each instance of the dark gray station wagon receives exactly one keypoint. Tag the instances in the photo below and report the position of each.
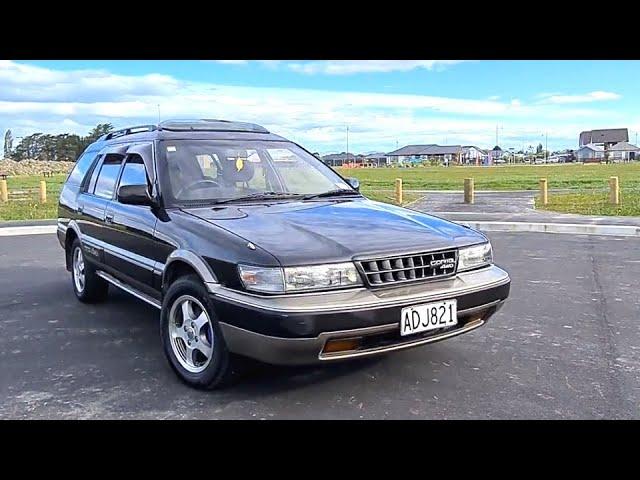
(251, 247)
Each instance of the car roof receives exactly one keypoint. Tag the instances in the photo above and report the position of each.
(203, 129)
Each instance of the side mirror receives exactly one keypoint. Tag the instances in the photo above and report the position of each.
(134, 195)
(354, 182)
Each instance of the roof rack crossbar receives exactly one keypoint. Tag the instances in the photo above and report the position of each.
(128, 131)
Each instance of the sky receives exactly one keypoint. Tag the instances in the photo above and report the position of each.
(385, 104)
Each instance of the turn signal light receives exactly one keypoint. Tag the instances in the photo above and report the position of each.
(341, 345)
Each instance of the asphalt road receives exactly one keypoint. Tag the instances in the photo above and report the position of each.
(566, 345)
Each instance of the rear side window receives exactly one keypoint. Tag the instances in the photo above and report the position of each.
(108, 175)
(81, 168)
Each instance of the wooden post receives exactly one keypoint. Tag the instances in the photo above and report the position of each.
(544, 195)
(614, 191)
(468, 191)
(399, 191)
(4, 193)
(43, 191)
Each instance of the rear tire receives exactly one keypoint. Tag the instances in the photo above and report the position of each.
(192, 339)
(88, 287)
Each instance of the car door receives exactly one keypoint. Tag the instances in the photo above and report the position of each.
(130, 230)
(96, 193)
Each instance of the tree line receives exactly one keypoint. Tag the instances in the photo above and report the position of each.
(40, 146)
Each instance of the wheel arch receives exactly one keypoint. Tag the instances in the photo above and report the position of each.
(71, 234)
(184, 262)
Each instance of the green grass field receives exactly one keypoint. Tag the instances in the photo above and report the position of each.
(32, 210)
(594, 203)
(588, 181)
(521, 177)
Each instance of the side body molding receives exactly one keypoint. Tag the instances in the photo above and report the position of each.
(199, 265)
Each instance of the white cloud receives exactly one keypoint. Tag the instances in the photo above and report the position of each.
(35, 99)
(596, 96)
(348, 67)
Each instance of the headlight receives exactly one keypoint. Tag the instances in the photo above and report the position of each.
(262, 279)
(474, 257)
(295, 279)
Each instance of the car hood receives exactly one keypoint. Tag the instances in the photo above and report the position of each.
(302, 233)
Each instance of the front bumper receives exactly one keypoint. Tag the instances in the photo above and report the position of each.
(293, 329)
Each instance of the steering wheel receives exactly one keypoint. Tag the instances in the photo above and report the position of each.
(203, 183)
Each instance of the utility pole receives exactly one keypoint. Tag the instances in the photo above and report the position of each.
(496, 134)
(347, 143)
(158, 113)
(546, 147)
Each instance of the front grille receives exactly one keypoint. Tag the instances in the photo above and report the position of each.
(409, 268)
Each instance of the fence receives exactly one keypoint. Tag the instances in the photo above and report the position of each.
(611, 194)
(23, 194)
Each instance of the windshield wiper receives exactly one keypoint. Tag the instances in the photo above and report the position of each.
(331, 193)
(259, 196)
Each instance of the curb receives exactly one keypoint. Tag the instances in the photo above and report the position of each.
(27, 230)
(27, 223)
(566, 228)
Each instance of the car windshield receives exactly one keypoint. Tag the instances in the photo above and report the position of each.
(210, 171)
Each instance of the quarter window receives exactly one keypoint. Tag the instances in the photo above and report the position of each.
(81, 167)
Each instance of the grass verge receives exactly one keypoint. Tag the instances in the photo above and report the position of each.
(518, 177)
(594, 203)
(388, 196)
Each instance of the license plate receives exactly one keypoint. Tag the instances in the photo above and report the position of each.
(429, 316)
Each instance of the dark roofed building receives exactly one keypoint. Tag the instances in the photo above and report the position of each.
(418, 153)
(339, 159)
(410, 150)
(379, 159)
(607, 136)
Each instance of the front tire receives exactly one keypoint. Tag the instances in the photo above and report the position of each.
(88, 287)
(191, 336)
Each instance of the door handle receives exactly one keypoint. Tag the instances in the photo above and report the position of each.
(108, 218)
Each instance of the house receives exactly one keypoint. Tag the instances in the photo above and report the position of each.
(624, 152)
(340, 159)
(409, 154)
(590, 153)
(494, 154)
(606, 137)
(472, 155)
(446, 154)
(379, 159)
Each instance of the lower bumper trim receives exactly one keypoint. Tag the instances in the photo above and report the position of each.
(301, 351)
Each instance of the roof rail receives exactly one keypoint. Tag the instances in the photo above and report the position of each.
(210, 125)
(128, 131)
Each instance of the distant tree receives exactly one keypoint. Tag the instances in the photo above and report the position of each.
(63, 147)
(99, 130)
(8, 144)
(539, 148)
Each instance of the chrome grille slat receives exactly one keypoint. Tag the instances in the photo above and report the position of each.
(409, 268)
